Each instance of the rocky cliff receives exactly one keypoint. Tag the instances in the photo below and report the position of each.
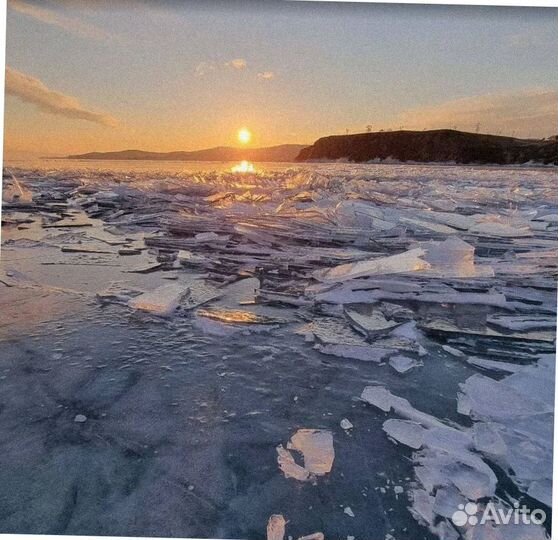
(431, 146)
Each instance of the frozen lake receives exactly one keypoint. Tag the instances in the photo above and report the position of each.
(189, 167)
(284, 294)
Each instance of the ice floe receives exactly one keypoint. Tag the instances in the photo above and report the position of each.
(316, 448)
(161, 301)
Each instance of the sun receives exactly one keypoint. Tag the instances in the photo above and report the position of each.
(244, 136)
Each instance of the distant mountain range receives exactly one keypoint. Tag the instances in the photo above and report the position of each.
(431, 146)
(441, 145)
(284, 152)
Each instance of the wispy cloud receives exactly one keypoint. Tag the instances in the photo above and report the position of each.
(53, 18)
(32, 90)
(266, 75)
(203, 68)
(237, 63)
(530, 112)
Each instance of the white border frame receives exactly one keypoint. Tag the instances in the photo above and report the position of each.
(515, 3)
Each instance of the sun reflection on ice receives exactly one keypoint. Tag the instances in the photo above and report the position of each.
(244, 167)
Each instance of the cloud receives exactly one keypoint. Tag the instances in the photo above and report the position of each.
(237, 63)
(203, 68)
(529, 113)
(51, 17)
(31, 90)
(266, 75)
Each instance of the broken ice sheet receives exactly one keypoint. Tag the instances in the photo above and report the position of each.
(409, 261)
(495, 400)
(487, 439)
(276, 527)
(337, 339)
(116, 293)
(380, 397)
(422, 507)
(210, 237)
(14, 191)
(451, 258)
(188, 258)
(434, 227)
(457, 221)
(446, 326)
(447, 468)
(215, 328)
(337, 212)
(79, 221)
(362, 215)
(316, 448)
(403, 364)
(146, 268)
(445, 460)
(447, 500)
(276, 530)
(491, 365)
(199, 293)
(313, 536)
(521, 323)
(368, 321)
(88, 247)
(161, 301)
(397, 312)
(514, 423)
(409, 433)
(331, 331)
(468, 473)
(501, 229)
(127, 251)
(398, 344)
(541, 490)
(454, 258)
(17, 218)
(237, 316)
(239, 292)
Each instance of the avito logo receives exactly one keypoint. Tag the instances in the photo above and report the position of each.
(468, 514)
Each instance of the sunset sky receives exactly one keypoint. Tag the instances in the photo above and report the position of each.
(85, 76)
